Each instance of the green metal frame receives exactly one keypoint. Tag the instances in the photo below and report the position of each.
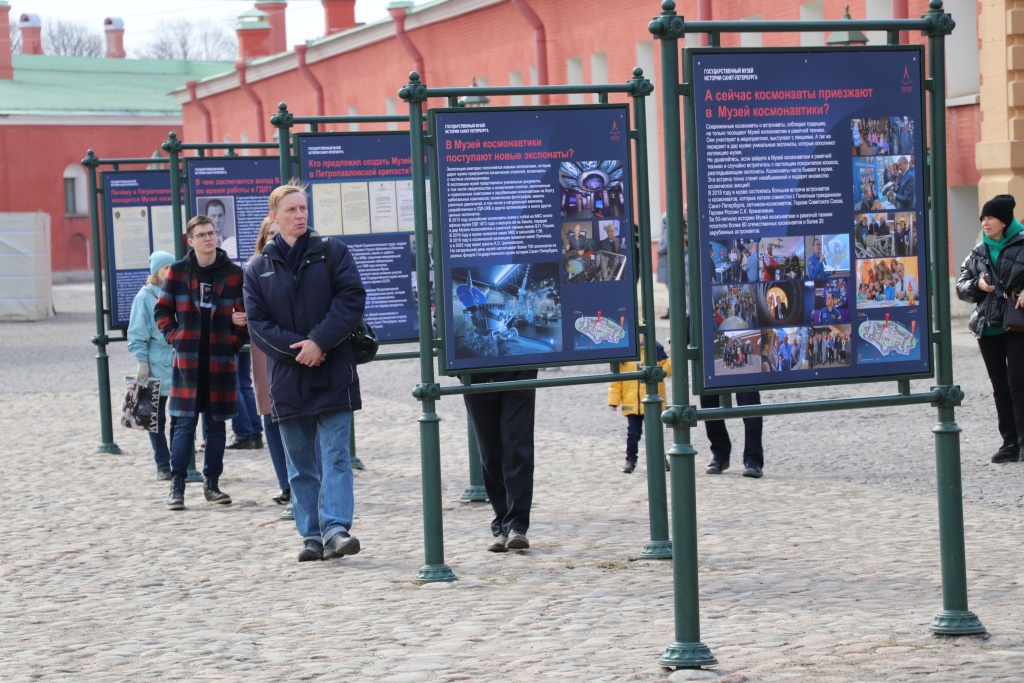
(101, 290)
(428, 392)
(687, 650)
(284, 120)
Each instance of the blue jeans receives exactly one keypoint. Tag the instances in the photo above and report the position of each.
(161, 453)
(247, 422)
(323, 505)
(276, 448)
(183, 440)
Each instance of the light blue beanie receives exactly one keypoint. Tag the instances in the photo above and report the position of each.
(159, 259)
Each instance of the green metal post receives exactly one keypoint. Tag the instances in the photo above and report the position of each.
(686, 651)
(659, 547)
(428, 392)
(357, 464)
(283, 120)
(475, 492)
(954, 618)
(107, 444)
(173, 149)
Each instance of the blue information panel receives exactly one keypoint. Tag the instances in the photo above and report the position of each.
(138, 219)
(233, 191)
(536, 236)
(361, 191)
(813, 249)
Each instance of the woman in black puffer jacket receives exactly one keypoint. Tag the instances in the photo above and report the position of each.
(992, 277)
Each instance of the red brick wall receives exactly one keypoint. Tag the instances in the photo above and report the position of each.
(32, 175)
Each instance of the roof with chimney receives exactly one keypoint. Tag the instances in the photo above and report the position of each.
(46, 85)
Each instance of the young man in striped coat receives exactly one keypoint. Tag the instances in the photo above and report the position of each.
(201, 314)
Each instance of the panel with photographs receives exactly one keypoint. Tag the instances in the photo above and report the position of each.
(734, 260)
(827, 256)
(736, 307)
(884, 183)
(578, 263)
(831, 301)
(887, 282)
(782, 258)
(784, 349)
(882, 135)
(737, 352)
(829, 346)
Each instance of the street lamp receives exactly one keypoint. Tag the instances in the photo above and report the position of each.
(847, 38)
(474, 100)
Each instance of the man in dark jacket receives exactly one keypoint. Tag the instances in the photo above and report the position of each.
(201, 314)
(304, 298)
(902, 194)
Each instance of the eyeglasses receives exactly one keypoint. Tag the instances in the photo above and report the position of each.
(203, 235)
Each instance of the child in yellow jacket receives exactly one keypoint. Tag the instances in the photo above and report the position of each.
(630, 394)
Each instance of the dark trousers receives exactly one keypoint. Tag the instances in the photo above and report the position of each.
(503, 422)
(634, 430)
(1004, 359)
(159, 441)
(721, 445)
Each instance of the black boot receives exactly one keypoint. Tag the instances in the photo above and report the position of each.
(176, 499)
(214, 494)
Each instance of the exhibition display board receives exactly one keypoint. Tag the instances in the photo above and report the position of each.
(361, 190)
(813, 244)
(139, 220)
(233, 191)
(536, 236)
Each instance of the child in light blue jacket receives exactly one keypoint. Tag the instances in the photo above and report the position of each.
(154, 354)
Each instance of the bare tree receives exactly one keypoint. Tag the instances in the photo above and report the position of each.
(15, 40)
(191, 40)
(71, 39)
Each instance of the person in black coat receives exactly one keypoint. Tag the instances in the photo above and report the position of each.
(992, 278)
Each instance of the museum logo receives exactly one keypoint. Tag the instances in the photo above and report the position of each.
(615, 134)
(906, 83)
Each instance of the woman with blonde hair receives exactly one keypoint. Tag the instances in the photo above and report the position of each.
(260, 381)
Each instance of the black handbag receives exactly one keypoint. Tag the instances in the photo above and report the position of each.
(1013, 317)
(364, 342)
(364, 339)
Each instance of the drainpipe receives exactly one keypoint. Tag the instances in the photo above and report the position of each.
(398, 10)
(318, 90)
(207, 119)
(703, 14)
(899, 11)
(254, 98)
(540, 40)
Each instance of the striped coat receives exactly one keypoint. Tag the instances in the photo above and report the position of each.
(178, 317)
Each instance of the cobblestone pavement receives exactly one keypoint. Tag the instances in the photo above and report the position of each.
(825, 570)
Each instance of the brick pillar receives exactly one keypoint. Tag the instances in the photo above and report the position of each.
(1000, 154)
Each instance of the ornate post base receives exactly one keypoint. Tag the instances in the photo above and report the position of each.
(108, 449)
(474, 493)
(657, 550)
(357, 464)
(435, 573)
(956, 623)
(687, 656)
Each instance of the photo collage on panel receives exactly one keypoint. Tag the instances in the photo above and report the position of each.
(835, 297)
(886, 240)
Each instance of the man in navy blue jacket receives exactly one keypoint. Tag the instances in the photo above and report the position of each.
(306, 298)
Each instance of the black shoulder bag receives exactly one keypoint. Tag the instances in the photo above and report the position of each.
(364, 339)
